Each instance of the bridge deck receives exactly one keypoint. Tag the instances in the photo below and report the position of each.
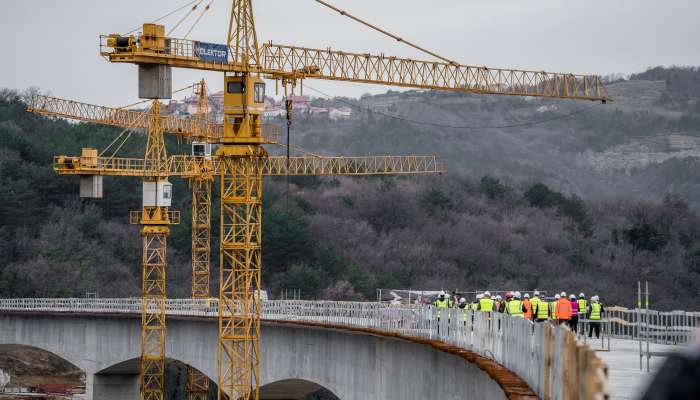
(625, 379)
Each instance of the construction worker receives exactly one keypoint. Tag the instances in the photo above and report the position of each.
(563, 309)
(528, 306)
(464, 306)
(582, 306)
(504, 304)
(540, 308)
(486, 303)
(442, 302)
(594, 316)
(553, 308)
(498, 306)
(475, 304)
(573, 322)
(515, 306)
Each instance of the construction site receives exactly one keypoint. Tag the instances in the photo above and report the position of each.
(241, 332)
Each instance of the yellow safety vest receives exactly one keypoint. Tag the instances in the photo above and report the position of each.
(582, 305)
(553, 306)
(442, 303)
(486, 305)
(595, 311)
(542, 309)
(515, 308)
(465, 311)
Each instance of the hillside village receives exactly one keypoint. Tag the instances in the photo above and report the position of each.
(273, 108)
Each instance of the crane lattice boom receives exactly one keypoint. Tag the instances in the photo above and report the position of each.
(293, 62)
(190, 167)
(198, 128)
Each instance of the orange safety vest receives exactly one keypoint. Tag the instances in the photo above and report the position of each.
(528, 308)
(563, 309)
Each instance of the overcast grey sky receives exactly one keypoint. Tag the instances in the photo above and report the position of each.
(53, 44)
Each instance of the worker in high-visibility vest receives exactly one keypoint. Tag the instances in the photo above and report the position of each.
(442, 302)
(528, 306)
(573, 322)
(594, 316)
(515, 306)
(582, 306)
(499, 304)
(563, 309)
(540, 308)
(464, 306)
(553, 308)
(475, 304)
(486, 303)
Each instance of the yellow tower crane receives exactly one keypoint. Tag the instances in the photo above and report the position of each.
(156, 167)
(197, 382)
(241, 158)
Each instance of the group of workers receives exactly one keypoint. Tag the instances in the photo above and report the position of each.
(559, 310)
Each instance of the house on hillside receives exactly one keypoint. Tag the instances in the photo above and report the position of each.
(337, 114)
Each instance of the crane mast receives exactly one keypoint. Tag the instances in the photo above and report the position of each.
(197, 382)
(240, 259)
(154, 218)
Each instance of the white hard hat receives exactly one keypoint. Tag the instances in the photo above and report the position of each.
(517, 295)
(526, 295)
(462, 300)
(498, 297)
(442, 293)
(487, 293)
(581, 295)
(572, 297)
(563, 294)
(557, 296)
(536, 293)
(595, 298)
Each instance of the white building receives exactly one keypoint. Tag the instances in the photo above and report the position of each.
(337, 114)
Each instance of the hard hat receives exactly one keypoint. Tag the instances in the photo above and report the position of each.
(557, 297)
(498, 297)
(595, 298)
(563, 294)
(517, 295)
(536, 293)
(487, 293)
(572, 297)
(526, 295)
(462, 300)
(581, 295)
(442, 293)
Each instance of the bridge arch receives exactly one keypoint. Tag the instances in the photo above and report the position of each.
(15, 357)
(293, 389)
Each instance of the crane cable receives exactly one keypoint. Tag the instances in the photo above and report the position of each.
(300, 150)
(469, 127)
(391, 35)
(164, 16)
(184, 17)
(206, 8)
(148, 100)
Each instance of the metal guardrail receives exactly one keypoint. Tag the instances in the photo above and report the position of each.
(661, 327)
(547, 357)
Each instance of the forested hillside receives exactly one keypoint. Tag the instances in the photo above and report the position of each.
(517, 208)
